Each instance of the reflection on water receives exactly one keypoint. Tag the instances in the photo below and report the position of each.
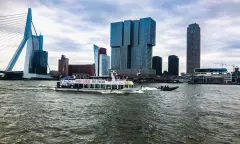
(32, 112)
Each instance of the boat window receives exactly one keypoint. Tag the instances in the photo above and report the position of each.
(80, 85)
(120, 87)
(97, 86)
(108, 86)
(88, 86)
(102, 86)
(92, 86)
(126, 86)
(75, 86)
(114, 86)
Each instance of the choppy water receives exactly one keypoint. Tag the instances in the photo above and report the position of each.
(32, 112)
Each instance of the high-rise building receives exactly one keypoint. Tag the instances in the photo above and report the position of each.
(193, 47)
(96, 60)
(173, 65)
(40, 62)
(101, 61)
(104, 65)
(63, 65)
(102, 51)
(37, 56)
(157, 64)
(131, 43)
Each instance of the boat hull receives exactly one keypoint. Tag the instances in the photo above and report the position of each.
(168, 88)
(86, 90)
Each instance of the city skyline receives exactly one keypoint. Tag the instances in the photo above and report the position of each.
(75, 35)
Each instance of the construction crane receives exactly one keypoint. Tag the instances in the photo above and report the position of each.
(222, 64)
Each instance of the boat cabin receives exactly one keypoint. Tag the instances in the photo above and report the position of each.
(94, 84)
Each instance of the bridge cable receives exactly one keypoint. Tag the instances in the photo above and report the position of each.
(34, 29)
(12, 22)
(13, 15)
(9, 36)
(10, 40)
(4, 46)
(13, 19)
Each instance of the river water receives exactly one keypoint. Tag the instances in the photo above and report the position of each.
(32, 112)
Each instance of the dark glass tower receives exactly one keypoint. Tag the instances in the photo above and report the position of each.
(40, 62)
(157, 64)
(193, 47)
(173, 65)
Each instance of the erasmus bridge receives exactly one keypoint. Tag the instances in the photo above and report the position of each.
(36, 60)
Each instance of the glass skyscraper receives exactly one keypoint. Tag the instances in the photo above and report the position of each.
(131, 42)
(95, 50)
(173, 65)
(101, 61)
(39, 62)
(157, 64)
(104, 65)
(193, 47)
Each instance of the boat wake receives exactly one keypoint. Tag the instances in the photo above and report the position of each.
(148, 88)
(29, 88)
(112, 92)
(137, 91)
(37, 88)
(122, 92)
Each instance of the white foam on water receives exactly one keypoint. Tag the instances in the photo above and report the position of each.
(35, 88)
(112, 92)
(30, 88)
(52, 88)
(148, 88)
(137, 91)
(121, 92)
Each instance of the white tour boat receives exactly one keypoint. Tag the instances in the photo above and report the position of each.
(96, 85)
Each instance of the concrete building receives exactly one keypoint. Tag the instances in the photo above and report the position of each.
(193, 47)
(87, 69)
(157, 64)
(131, 42)
(173, 65)
(211, 76)
(63, 66)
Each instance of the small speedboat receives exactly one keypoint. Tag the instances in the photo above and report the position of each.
(167, 88)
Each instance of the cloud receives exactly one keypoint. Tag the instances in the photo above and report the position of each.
(70, 27)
